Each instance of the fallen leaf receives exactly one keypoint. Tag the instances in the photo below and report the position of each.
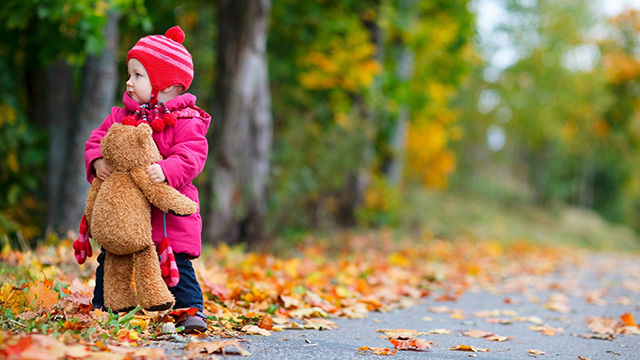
(27, 315)
(583, 358)
(602, 325)
(43, 296)
(495, 337)
(476, 333)
(494, 313)
(195, 349)
(255, 330)
(439, 309)
(308, 313)
(12, 297)
(627, 319)
(379, 350)
(266, 323)
(537, 352)
(149, 353)
(468, 348)
(628, 330)
(399, 333)
(289, 302)
(319, 324)
(546, 330)
(411, 344)
(531, 319)
(609, 337)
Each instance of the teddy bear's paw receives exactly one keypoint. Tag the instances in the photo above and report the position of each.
(161, 307)
(178, 214)
(124, 310)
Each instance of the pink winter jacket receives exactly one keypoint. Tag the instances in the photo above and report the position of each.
(184, 151)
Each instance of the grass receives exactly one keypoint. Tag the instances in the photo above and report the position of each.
(454, 214)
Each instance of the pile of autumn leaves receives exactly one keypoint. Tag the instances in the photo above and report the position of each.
(45, 297)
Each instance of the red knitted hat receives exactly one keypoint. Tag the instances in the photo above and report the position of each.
(166, 60)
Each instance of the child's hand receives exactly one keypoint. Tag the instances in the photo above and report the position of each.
(155, 173)
(102, 169)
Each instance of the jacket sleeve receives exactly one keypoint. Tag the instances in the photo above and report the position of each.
(92, 146)
(188, 155)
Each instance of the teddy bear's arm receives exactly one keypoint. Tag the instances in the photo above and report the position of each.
(91, 198)
(163, 196)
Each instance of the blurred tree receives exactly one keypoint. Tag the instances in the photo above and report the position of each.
(562, 105)
(48, 42)
(369, 78)
(323, 119)
(241, 144)
(427, 55)
(619, 193)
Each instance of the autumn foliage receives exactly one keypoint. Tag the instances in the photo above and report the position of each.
(45, 296)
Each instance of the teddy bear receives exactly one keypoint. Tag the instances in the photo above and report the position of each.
(118, 215)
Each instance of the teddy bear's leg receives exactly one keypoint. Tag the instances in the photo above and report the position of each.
(118, 271)
(153, 293)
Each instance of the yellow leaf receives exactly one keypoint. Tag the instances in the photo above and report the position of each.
(12, 297)
(139, 321)
(12, 162)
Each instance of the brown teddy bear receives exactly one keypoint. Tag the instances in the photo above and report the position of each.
(118, 214)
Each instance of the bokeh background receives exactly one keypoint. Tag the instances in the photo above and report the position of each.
(494, 118)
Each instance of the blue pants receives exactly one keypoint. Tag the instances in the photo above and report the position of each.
(187, 293)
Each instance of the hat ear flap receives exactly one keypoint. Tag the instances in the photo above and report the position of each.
(144, 132)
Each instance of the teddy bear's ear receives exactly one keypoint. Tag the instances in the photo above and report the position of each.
(144, 132)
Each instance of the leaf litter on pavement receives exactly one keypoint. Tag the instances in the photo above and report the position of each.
(45, 297)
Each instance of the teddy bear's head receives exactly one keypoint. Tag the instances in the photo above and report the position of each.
(125, 147)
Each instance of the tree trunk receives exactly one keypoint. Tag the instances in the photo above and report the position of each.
(242, 142)
(398, 142)
(58, 106)
(99, 83)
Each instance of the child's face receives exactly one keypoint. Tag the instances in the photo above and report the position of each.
(139, 84)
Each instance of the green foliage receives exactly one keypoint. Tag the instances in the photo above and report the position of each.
(568, 127)
(338, 93)
(22, 164)
(37, 33)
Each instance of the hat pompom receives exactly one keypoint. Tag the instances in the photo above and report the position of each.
(176, 34)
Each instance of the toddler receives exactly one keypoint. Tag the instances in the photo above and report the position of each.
(160, 69)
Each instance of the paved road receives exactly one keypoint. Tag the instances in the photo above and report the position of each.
(605, 286)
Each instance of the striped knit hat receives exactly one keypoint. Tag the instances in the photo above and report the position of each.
(166, 60)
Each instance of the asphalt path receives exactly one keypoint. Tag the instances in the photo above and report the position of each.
(519, 308)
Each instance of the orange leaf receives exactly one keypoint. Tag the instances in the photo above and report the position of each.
(627, 319)
(266, 323)
(378, 350)
(468, 348)
(44, 297)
